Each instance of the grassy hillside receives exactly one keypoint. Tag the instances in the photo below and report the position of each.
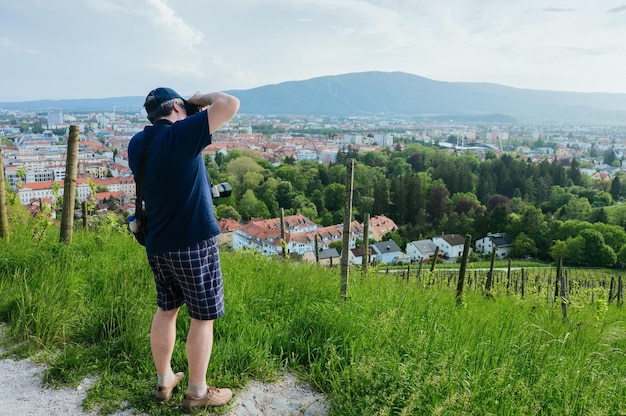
(393, 348)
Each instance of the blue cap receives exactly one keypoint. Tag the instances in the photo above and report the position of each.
(158, 96)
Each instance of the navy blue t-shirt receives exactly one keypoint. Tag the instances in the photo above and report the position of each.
(177, 191)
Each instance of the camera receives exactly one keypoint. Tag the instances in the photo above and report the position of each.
(221, 190)
(192, 109)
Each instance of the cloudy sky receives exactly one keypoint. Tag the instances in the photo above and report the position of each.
(52, 49)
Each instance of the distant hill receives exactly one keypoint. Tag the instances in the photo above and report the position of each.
(394, 94)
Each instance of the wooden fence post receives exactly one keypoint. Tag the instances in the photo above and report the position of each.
(612, 289)
(4, 216)
(69, 187)
(317, 250)
(563, 297)
(347, 219)
(461, 282)
(283, 242)
(435, 256)
(489, 284)
(85, 218)
(366, 244)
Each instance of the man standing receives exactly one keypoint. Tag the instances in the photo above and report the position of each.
(181, 229)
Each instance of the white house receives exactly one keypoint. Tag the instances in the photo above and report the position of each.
(387, 251)
(450, 245)
(420, 250)
(356, 256)
(502, 242)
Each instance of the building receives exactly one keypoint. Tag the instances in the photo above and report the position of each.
(421, 250)
(329, 257)
(228, 227)
(450, 246)
(265, 235)
(356, 256)
(387, 252)
(502, 242)
(381, 225)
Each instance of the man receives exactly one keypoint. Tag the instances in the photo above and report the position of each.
(181, 229)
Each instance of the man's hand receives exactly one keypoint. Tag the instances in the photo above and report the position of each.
(221, 107)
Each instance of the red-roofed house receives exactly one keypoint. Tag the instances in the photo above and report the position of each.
(381, 225)
(228, 227)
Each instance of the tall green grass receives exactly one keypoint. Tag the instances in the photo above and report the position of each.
(392, 348)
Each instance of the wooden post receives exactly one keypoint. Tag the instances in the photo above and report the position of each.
(84, 210)
(366, 243)
(612, 289)
(347, 219)
(563, 297)
(283, 242)
(419, 272)
(620, 292)
(4, 216)
(317, 250)
(523, 284)
(508, 276)
(489, 284)
(459, 286)
(435, 256)
(69, 187)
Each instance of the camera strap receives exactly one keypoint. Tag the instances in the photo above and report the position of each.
(149, 133)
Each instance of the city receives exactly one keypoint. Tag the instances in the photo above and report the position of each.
(34, 147)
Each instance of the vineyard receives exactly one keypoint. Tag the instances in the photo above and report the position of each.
(552, 284)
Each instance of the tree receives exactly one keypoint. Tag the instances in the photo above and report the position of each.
(496, 201)
(616, 188)
(251, 207)
(381, 198)
(574, 172)
(621, 256)
(523, 246)
(285, 194)
(437, 204)
(227, 211)
(609, 156)
(596, 252)
(334, 196)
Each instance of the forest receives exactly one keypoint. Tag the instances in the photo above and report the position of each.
(548, 208)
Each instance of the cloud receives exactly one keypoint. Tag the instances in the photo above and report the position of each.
(9, 44)
(186, 34)
(556, 10)
(617, 9)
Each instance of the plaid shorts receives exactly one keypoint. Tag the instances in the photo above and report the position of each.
(192, 276)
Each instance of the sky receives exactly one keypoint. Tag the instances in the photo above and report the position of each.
(61, 49)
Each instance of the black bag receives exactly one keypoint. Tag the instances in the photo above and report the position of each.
(149, 133)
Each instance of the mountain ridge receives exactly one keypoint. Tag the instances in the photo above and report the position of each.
(390, 94)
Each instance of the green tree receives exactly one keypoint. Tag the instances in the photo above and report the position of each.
(227, 211)
(285, 194)
(437, 204)
(574, 172)
(251, 207)
(334, 196)
(523, 245)
(616, 188)
(596, 252)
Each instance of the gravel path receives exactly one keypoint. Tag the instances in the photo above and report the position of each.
(22, 393)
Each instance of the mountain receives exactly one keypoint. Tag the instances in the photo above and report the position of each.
(394, 94)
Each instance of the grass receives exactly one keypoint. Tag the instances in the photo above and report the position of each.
(392, 348)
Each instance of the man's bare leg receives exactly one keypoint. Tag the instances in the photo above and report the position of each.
(162, 340)
(199, 347)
